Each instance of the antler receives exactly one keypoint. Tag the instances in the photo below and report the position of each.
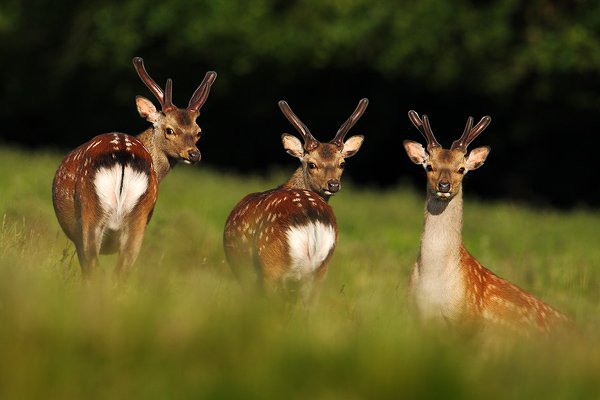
(164, 100)
(310, 143)
(201, 94)
(470, 134)
(423, 127)
(338, 140)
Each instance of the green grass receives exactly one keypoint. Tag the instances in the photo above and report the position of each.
(181, 327)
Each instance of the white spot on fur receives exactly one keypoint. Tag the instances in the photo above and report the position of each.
(118, 198)
(309, 245)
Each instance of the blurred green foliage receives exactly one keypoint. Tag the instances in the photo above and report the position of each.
(492, 46)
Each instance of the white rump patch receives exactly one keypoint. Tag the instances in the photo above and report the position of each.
(309, 246)
(119, 191)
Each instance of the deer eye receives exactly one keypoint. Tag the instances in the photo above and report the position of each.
(461, 170)
(429, 168)
(312, 165)
(342, 165)
(169, 131)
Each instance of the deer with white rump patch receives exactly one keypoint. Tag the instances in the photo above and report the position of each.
(105, 190)
(447, 282)
(281, 240)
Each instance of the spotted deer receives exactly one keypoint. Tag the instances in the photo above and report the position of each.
(281, 240)
(447, 282)
(105, 190)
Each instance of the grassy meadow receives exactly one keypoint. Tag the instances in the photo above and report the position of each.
(181, 327)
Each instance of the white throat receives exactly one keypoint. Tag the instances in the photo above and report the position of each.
(437, 281)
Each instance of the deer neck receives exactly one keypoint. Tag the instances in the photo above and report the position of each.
(161, 163)
(299, 181)
(442, 234)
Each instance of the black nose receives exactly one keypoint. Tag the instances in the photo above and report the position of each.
(333, 185)
(444, 187)
(194, 155)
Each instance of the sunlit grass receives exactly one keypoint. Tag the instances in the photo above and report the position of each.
(182, 328)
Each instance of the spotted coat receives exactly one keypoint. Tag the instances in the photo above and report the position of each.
(281, 237)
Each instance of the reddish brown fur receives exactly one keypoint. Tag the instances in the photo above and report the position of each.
(495, 299)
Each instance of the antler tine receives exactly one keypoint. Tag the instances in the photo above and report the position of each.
(310, 143)
(471, 133)
(460, 142)
(168, 103)
(423, 127)
(201, 94)
(338, 140)
(138, 62)
(480, 127)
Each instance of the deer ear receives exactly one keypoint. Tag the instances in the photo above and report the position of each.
(477, 157)
(146, 109)
(352, 145)
(416, 152)
(292, 145)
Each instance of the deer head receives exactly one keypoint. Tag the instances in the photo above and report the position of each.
(322, 163)
(175, 129)
(446, 168)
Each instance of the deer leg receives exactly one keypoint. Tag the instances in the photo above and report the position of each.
(83, 262)
(88, 250)
(311, 288)
(246, 266)
(130, 245)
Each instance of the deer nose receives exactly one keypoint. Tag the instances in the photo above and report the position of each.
(444, 186)
(333, 185)
(194, 155)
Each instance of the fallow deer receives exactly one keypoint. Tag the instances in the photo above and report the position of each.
(105, 190)
(282, 239)
(447, 282)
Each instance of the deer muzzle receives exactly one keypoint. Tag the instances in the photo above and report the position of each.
(191, 156)
(333, 186)
(443, 186)
(443, 190)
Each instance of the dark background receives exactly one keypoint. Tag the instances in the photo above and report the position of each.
(533, 66)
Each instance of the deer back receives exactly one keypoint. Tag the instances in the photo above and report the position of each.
(500, 302)
(109, 175)
(291, 231)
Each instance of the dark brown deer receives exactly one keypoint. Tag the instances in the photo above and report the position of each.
(104, 191)
(281, 240)
(447, 282)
